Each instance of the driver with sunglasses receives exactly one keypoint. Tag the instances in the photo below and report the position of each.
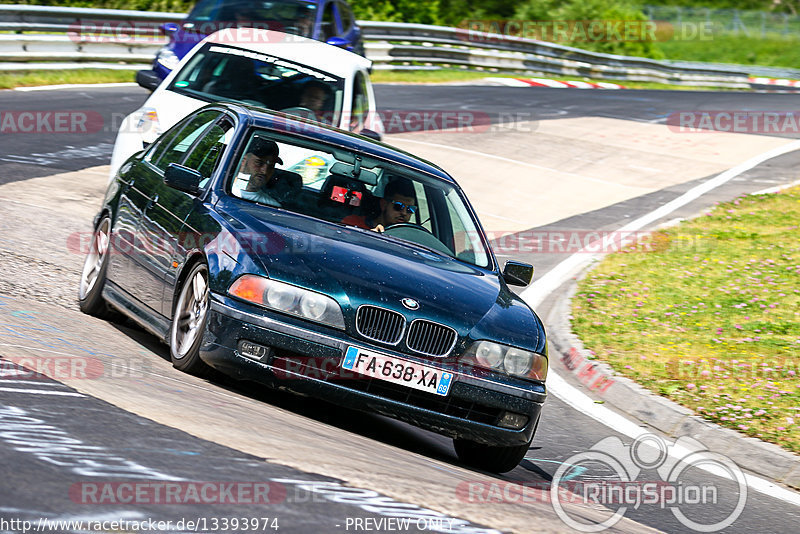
(397, 206)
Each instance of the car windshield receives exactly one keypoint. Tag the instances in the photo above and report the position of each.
(358, 191)
(218, 72)
(290, 16)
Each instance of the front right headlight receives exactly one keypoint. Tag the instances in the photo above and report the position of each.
(288, 298)
(505, 359)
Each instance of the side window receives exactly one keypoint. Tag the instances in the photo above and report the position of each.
(161, 144)
(360, 104)
(328, 22)
(176, 149)
(346, 16)
(205, 155)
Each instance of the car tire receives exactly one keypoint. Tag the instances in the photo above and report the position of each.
(492, 458)
(189, 322)
(93, 274)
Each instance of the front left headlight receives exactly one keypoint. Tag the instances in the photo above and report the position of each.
(509, 360)
(147, 124)
(289, 299)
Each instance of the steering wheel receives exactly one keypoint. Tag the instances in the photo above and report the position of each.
(407, 225)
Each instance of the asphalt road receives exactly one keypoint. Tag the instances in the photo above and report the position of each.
(107, 441)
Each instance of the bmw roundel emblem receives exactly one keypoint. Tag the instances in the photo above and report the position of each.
(411, 304)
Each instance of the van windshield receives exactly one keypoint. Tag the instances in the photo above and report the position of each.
(225, 73)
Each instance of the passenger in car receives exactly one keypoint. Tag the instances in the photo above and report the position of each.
(397, 206)
(312, 102)
(257, 179)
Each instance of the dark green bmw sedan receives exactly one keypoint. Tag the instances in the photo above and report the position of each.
(299, 256)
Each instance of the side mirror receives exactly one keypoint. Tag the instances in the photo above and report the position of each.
(183, 178)
(338, 41)
(148, 79)
(516, 273)
(371, 134)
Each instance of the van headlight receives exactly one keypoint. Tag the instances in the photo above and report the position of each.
(288, 298)
(509, 360)
(167, 58)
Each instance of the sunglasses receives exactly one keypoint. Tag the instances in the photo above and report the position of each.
(399, 206)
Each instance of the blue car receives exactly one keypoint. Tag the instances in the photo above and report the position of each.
(329, 21)
(282, 251)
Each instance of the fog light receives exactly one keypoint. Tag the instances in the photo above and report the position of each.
(513, 420)
(254, 351)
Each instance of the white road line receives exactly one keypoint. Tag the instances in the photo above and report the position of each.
(775, 189)
(75, 86)
(43, 392)
(539, 290)
(509, 160)
(32, 382)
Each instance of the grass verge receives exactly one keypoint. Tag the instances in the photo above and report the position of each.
(459, 75)
(11, 79)
(707, 313)
(737, 49)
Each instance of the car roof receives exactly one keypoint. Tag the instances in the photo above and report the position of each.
(293, 125)
(328, 58)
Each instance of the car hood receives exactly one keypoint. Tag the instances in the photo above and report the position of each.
(171, 107)
(358, 267)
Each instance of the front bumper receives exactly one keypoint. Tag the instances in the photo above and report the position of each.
(305, 358)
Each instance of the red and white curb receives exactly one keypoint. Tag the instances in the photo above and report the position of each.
(775, 81)
(545, 82)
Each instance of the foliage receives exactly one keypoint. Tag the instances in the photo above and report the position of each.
(773, 50)
(582, 15)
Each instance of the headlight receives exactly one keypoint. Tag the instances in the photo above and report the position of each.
(167, 58)
(505, 359)
(148, 124)
(288, 299)
(489, 354)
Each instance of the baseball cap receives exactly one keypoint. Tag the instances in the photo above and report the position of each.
(262, 148)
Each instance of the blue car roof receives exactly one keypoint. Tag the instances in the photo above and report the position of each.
(299, 127)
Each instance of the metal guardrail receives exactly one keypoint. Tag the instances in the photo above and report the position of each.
(391, 46)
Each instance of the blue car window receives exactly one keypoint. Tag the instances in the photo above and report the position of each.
(176, 150)
(346, 16)
(207, 151)
(328, 22)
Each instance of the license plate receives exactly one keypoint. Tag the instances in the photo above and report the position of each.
(397, 371)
